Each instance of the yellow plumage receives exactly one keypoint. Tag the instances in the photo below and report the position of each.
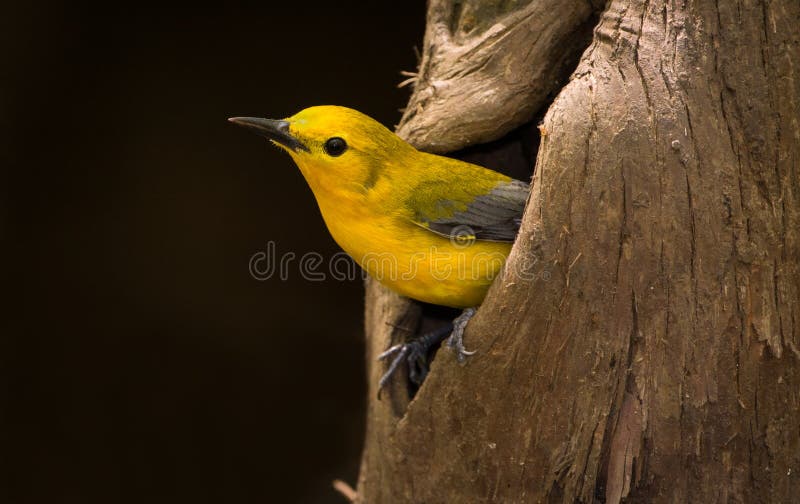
(429, 227)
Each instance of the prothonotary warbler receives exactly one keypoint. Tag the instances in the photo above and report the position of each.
(428, 227)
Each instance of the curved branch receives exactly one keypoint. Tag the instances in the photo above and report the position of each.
(488, 67)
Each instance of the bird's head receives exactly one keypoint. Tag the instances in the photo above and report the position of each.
(333, 145)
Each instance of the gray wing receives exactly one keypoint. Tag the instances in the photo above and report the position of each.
(495, 216)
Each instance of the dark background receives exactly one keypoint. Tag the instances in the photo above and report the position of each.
(140, 360)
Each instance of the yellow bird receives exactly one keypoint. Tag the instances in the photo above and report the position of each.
(428, 227)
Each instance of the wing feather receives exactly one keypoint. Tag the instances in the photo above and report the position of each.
(493, 216)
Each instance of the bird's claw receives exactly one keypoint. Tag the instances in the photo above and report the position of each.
(456, 339)
(416, 352)
(416, 356)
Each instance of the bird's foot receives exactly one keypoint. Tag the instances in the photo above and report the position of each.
(456, 339)
(415, 353)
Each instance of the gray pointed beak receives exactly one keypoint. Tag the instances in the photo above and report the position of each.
(277, 131)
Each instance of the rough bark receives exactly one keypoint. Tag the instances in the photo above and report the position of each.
(651, 352)
(488, 66)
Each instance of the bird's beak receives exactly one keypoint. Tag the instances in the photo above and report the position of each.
(277, 131)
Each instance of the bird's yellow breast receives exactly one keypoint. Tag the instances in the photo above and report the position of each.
(406, 257)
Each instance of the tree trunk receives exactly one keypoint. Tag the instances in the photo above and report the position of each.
(643, 342)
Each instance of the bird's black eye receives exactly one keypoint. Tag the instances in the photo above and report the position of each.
(335, 146)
